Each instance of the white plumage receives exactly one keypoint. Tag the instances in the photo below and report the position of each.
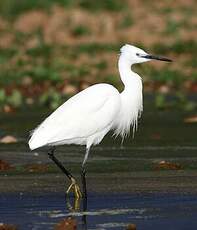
(79, 120)
(86, 117)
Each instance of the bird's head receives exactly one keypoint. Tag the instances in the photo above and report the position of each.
(136, 55)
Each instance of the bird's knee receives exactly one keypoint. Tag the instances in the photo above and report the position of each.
(51, 153)
(83, 171)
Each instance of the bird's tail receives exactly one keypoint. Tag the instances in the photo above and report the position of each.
(35, 140)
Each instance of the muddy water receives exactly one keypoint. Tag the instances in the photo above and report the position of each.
(126, 183)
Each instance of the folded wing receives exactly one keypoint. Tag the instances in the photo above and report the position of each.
(83, 115)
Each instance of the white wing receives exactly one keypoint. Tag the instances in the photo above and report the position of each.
(83, 115)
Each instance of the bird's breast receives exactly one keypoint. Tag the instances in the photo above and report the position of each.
(130, 109)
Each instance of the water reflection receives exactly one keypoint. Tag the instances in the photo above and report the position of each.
(75, 210)
(74, 206)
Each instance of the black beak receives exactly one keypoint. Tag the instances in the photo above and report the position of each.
(154, 57)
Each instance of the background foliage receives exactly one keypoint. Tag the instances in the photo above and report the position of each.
(50, 50)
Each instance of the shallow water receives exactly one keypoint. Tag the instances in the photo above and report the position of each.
(146, 211)
(123, 181)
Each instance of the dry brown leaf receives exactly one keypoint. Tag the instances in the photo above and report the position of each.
(8, 109)
(167, 165)
(192, 119)
(8, 139)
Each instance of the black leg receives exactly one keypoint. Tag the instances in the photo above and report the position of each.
(83, 175)
(73, 186)
(84, 189)
(83, 180)
(59, 164)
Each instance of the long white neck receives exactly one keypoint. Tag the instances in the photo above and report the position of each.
(124, 67)
(131, 98)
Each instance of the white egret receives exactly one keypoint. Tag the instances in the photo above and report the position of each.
(88, 116)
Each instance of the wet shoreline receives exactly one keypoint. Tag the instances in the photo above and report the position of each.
(142, 182)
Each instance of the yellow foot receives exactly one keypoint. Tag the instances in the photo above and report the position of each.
(75, 206)
(75, 187)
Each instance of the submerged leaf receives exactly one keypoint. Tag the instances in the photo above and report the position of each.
(4, 166)
(68, 224)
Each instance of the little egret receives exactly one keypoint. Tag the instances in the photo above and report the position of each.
(88, 116)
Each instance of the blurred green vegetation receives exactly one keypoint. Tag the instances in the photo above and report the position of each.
(12, 8)
(37, 67)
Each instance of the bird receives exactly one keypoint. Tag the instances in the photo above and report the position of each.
(88, 116)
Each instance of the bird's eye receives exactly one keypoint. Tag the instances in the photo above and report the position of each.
(137, 54)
